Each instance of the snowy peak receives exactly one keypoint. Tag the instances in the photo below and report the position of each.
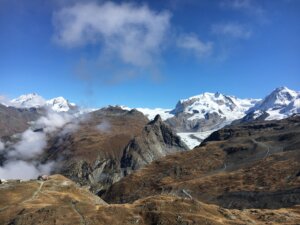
(281, 103)
(34, 100)
(224, 105)
(60, 104)
(279, 98)
(28, 101)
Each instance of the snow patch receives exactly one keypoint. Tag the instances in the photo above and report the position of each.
(151, 113)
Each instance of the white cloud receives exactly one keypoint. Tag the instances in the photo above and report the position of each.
(23, 170)
(192, 43)
(18, 170)
(232, 30)
(53, 121)
(20, 163)
(69, 128)
(30, 145)
(134, 34)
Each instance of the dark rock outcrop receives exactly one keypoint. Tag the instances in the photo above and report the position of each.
(156, 141)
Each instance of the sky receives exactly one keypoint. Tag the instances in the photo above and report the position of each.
(148, 53)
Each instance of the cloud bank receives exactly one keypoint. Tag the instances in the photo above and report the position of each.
(22, 156)
(30, 145)
(134, 34)
(131, 40)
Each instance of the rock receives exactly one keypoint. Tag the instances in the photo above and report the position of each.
(156, 141)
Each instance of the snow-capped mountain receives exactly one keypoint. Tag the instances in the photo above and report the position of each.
(197, 117)
(28, 101)
(34, 100)
(226, 106)
(281, 103)
(60, 104)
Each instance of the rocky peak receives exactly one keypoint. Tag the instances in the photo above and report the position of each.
(157, 120)
(157, 140)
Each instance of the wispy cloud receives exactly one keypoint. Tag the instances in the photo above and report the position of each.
(248, 6)
(104, 126)
(130, 38)
(134, 34)
(22, 157)
(232, 30)
(192, 43)
(237, 4)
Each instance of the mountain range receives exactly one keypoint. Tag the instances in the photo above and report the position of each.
(142, 163)
(194, 118)
(197, 117)
(119, 168)
(33, 100)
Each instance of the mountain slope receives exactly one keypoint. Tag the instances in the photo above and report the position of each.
(90, 153)
(59, 201)
(254, 165)
(108, 145)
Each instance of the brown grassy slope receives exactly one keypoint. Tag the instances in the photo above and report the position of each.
(242, 166)
(88, 142)
(91, 156)
(59, 201)
(102, 157)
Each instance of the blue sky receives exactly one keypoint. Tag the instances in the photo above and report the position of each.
(148, 53)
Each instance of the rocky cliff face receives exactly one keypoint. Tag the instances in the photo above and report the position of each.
(91, 153)
(156, 141)
(110, 144)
